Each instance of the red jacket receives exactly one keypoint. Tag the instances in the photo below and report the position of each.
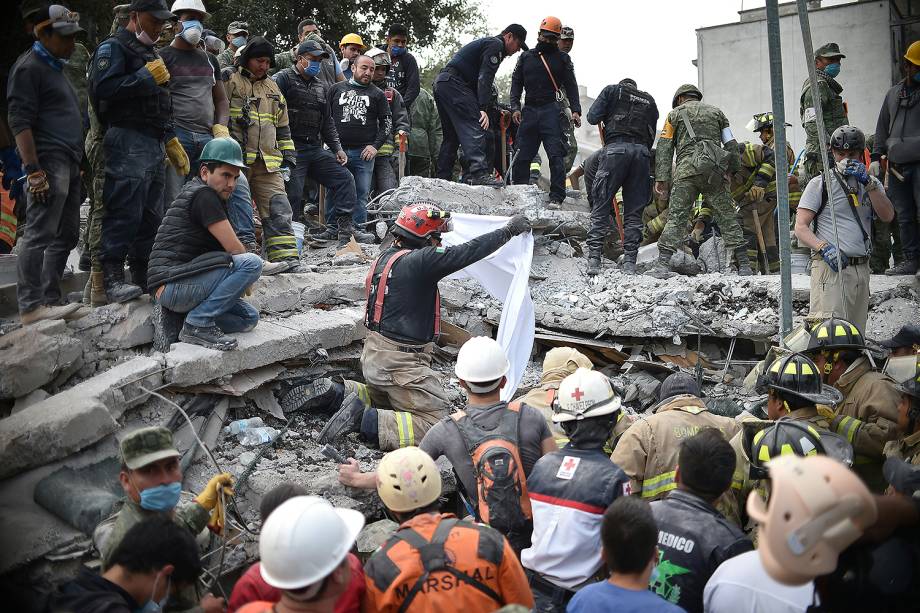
(251, 588)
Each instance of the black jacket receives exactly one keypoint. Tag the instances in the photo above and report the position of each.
(897, 133)
(91, 593)
(530, 75)
(404, 76)
(309, 113)
(476, 63)
(628, 114)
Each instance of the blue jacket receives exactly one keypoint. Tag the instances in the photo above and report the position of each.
(477, 62)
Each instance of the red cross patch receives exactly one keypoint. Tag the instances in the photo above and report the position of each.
(568, 467)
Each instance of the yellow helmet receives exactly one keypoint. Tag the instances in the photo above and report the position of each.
(408, 479)
(351, 39)
(913, 53)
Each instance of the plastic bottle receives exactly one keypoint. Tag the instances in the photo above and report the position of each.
(242, 425)
(258, 436)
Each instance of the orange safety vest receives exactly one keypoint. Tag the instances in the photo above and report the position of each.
(7, 219)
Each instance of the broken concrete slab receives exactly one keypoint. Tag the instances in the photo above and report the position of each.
(33, 397)
(119, 326)
(35, 355)
(281, 293)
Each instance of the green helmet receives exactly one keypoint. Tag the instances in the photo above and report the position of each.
(686, 89)
(224, 150)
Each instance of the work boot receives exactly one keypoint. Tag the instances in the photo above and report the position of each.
(629, 263)
(744, 262)
(594, 265)
(97, 295)
(138, 270)
(312, 209)
(907, 267)
(116, 289)
(44, 312)
(324, 234)
(661, 269)
(323, 394)
(166, 327)
(273, 268)
(211, 337)
(346, 229)
(486, 179)
(293, 265)
(347, 419)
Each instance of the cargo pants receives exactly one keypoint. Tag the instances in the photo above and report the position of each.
(683, 196)
(764, 211)
(278, 242)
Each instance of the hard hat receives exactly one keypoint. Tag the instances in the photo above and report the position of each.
(563, 361)
(911, 384)
(551, 24)
(421, 220)
(913, 53)
(408, 479)
(796, 375)
(189, 5)
(380, 56)
(848, 138)
(351, 39)
(224, 150)
(686, 89)
(304, 540)
(567, 33)
(583, 394)
(784, 436)
(835, 334)
(481, 360)
(762, 121)
(817, 508)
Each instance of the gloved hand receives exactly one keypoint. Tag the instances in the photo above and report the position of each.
(285, 170)
(158, 71)
(38, 186)
(857, 169)
(875, 168)
(219, 130)
(208, 497)
(829, 255)
(217, 519)
(756, 193)
(178, 159)
(518, 225)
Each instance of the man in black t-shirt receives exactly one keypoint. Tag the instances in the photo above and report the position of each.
(198, 267)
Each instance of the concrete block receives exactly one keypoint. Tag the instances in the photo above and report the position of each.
(280, 293)
(118, 326)
(33, 397)
(35, 355)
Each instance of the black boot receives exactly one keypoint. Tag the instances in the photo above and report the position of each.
(346, 229)
(744, 262)
(211, 337)
(629, 262)
(324, 395)
(325, 234)
(346, 420)
(85, 262)
(906, 267)
(662, 267)
(594, 265)
(138, 270)
(486, 179)
(116, 289)
(166, 327)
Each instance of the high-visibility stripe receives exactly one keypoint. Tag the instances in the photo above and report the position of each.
(286, 145)
(848, 426)
(658, 484)
(572, 504)
(766, 171)
(282, 254)
(363, 394)
(281, 240)
(404, 428)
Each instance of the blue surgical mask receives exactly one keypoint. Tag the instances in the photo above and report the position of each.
(162, 497)
(832, 70)
(654, 576)
(152, 606)
(191, 31)
(239, 41)
(312, 68)
(397, 51)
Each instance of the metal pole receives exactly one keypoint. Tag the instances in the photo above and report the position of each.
(822, 140)
(782, 169)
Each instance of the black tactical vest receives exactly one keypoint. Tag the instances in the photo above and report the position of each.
(306, 102)
(631, 117)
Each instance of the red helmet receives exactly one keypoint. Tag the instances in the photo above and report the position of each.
(421, 220)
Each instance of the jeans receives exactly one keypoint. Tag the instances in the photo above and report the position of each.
(240, 211)
(363, 172)
(621, 165)
(320, 165)
(193, 143)
(905, 196)
(544, 124)
(213, 297)
(51, 231)
(459, 112)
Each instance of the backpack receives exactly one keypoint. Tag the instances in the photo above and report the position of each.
(500, 481)
(709, 158)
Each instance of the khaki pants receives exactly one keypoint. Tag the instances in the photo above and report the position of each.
(825, 299)
(403, 388)
(764, 211)
(271, 199)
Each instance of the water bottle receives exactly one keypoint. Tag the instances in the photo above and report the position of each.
(241, 425)
(258, 436)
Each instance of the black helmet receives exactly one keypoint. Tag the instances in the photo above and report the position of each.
(796, 375)
(835, 334)
(787, 436)
(848, 138)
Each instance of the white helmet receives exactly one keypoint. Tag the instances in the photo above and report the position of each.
(189, 5)
(408, 479)
(304, 540)
(380, 56)
(481, 360)
(583, 394)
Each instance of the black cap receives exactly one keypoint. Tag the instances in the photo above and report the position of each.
(257, 46)
(903, 477)
(519, 32)
(157, 8)
(678, 384)
(907, 336)
(313, 48)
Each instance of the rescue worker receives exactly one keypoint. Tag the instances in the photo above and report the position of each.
(693, 537)
(833, 108)
(905, 342)
(867, 417)
(569, 491)
(311, 124)
(386, 162)
(330, 71)
(259, 123)
(237, 35)
(566, 41)
(425, 136)
(403, 75)
(152, 481)
(907, 447)
(763, 125)
(897, 148)
(402, 396)
(461, 92)
(130, 94)
(351, 46)
(629, 117)
(705, 148)
(544, 73)
(648, 450)
(749, 185)
(413, 569)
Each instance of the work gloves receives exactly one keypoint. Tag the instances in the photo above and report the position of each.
(158, 71)
(829, 255)
(219, 130)
(875, 168)
(38, 186)
(285, 170)
(856, 169)
(178, 159)
(518, 225)
(756, 194)
(209, 497)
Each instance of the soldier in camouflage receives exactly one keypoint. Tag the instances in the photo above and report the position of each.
(237, 35)
(425, 136)
(833, 108)
(694, 131)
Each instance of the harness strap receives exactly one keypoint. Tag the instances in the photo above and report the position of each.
(377, 312)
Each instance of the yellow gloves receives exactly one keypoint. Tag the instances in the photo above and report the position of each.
(158, 70)
(208, 497)
(177, 156)
(756, 194)
(220, 130)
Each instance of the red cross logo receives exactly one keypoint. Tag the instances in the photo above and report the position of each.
(577, 394)
(569, 463)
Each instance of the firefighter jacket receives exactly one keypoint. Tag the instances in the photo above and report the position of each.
(756, 169)
(907, 449)
(693, 539)
(648, 450)
(259, 120)
(476, 570)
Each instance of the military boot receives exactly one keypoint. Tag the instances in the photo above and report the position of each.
(97, 295)
(744, 262)
(661, 269)
(117, 290)
(594, 265)
(629, 262)
(346, 420)
(346, 229)
(303, 394)
(906, 267)
(487, 180)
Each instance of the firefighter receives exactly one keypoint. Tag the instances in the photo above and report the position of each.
(908, 446)
(401, 397)
(414, 570)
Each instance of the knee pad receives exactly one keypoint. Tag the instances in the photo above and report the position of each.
(280, 208)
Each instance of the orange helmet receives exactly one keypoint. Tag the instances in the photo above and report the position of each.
(421, 220)
(551, 24)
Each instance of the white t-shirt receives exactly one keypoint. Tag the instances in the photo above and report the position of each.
(742, 585)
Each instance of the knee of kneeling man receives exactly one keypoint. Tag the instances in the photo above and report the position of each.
(248, 262)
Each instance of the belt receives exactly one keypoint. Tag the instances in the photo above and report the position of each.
(853, 261)
(559, 595)
(396, 346)
(635, 140)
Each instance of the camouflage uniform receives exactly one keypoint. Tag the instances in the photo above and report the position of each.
(225, 58)
(833, 109)
(425, 137)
